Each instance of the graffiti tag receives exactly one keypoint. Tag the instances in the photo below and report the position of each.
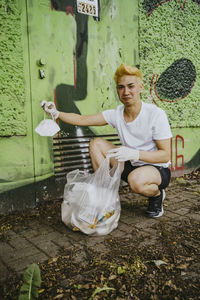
(177, 162)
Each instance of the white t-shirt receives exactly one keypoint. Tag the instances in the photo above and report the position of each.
(151, 124)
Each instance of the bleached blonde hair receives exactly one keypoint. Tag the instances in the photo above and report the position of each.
(127, 70)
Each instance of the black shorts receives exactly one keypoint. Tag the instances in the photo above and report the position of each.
(165, 173)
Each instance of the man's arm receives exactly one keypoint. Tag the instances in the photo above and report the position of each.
(71, 118)
(162, 155)
(79, 120)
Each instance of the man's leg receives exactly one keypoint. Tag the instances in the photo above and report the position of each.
(146, 181)
(98, 150)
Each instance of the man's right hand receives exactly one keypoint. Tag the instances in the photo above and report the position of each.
(50, 109)
(72, 118)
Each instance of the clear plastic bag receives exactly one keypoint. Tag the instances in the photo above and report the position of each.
(91, 201)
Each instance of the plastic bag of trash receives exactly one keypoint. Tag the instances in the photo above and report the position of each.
(91, 201)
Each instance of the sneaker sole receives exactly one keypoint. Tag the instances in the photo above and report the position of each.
(162, 211)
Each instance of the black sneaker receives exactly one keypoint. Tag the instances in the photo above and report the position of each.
(155, 208)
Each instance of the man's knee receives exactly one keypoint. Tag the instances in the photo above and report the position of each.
(136, 183)
(96, 144)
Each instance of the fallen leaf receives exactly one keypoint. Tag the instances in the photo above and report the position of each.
(182, 266)
(99, 290)
(112, 277)
(59, 296)
(86, 286)
(121, 270)
(159, 262)
(52, 260)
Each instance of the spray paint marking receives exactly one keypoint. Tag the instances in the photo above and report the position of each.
(153, 88)
(178, 157)
(69, 9)
(182, 4)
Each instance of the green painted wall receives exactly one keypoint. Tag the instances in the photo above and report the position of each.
(112, 41)
(81, 56)
(42, 32)
(17, 153)
(12, 88)
(170, 32)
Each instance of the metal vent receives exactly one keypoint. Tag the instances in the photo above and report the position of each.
(72, 153)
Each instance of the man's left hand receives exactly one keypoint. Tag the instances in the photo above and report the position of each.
(124, 153)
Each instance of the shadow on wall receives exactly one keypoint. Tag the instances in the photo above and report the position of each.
(65, 94)
(194, 163)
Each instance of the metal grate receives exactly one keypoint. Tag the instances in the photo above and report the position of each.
(72, 153)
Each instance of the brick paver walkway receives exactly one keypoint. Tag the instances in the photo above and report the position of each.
(40, 242)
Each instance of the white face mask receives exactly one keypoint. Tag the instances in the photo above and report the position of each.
(47, 127)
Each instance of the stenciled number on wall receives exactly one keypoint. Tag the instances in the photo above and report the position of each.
(88, 7)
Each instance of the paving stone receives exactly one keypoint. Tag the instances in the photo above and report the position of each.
(128, 220)
(40, 238)
(125, 227)
(182, 211)
(171, 215)
(117, 233)
(22, 253)
(172, 199)
(147, 223)
(17, 241)
(195, 216)
(21, 264)
(37, 226)
(149, 241)
(187, 204)
(151, 232)
(102, 248)
(31, 233)
(143, 234)
(49, 248)
(194, 199)
(5, 249)
(94, 240)
(175, 206)
(62, 242)
(72, 235)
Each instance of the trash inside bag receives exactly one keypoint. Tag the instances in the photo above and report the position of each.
(47, 127)
(91, 201)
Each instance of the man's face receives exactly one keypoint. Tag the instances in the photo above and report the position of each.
(129, 88)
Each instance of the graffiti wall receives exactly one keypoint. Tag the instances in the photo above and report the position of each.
(52, 52)
(169, 43)
(99, 47)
